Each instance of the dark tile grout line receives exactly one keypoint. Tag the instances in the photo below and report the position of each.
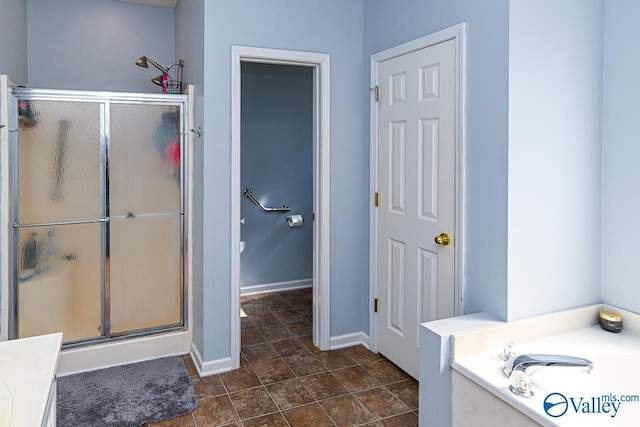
(232, 405)
(316, 401)
(274, 296)
(281, 411)
(349, 392)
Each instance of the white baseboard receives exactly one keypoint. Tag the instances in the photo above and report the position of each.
(349, 340)
(276, 287)
(211, 367)
(123, 352)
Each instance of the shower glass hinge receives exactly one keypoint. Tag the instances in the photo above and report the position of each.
(375, 305)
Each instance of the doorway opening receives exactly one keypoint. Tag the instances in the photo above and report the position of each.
(276, 246)
(280, 187)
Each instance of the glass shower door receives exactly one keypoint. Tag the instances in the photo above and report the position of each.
(97, 183)
(59, 218)
(145, 217)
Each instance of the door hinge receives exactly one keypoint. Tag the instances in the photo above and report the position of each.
(376, 199)
(376, 91)
(375, 305)
(313, 216)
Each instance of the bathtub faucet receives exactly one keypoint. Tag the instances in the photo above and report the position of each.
(528, 362)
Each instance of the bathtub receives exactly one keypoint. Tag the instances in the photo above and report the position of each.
(607, 396)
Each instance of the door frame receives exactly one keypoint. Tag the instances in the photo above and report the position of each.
(457, 33)
(4, 207)
(321, 180)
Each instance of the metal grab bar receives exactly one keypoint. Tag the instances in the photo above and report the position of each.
(247, 193)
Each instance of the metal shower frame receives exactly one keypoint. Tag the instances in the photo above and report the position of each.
(105, 100)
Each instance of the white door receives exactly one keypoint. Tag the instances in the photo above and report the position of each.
(416, 185)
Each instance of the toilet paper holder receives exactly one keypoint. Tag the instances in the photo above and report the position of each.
(295, 220)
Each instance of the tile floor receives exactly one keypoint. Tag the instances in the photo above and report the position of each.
(284, 380)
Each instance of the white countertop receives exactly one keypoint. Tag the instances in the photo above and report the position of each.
(27, 369)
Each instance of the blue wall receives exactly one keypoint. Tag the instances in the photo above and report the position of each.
(93, 44)
(390, 23)
(350, 31)
(621, 175)
(13, 42)
(334, 27)
(277, 165)
(555, 134)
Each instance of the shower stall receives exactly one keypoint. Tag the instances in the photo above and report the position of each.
(97, 206)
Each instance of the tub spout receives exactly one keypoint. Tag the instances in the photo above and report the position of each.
(528, 362)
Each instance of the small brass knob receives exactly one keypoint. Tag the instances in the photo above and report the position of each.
(443, 239)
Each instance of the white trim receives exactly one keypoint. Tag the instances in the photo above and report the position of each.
(276, 287)
(210, 367)
(321, 236)
(4, 208)
(349, 340)
(461, 120)
(188, 292)
(457, 33)
(123, 352)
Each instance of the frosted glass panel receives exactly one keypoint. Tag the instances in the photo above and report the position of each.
(144, 159)
(97, 280)
(58, 161)
(59, 280)
(145, 272)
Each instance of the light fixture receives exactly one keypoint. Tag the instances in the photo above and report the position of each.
(169, 83)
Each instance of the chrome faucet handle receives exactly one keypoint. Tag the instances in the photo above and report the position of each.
(510, 350)
(520, 383)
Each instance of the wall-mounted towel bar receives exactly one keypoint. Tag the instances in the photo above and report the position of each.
(247, 193)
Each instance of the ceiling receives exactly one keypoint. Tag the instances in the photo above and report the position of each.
(161, 3)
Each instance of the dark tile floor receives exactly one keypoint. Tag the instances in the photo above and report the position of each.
(284, 380)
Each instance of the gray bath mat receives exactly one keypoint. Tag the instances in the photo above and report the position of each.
(127, 395)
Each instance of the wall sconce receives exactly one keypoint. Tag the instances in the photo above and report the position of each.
(169, 83)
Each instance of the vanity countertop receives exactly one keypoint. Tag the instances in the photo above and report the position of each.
(27, 370)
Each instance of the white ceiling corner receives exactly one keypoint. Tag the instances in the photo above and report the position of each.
(161, 3)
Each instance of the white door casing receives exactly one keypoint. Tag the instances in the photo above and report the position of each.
(4, 207)
(416, 169)
(321, 184)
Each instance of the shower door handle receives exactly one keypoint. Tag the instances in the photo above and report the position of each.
(54, 224)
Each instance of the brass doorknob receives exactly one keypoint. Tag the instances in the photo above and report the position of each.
(443, 239)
